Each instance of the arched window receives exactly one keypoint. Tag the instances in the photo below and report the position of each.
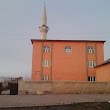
(90, 49)
(67, 49)
(46, 49)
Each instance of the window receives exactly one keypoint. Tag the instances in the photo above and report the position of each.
(90, 49)
(46, 78)
(91, 78)
(46, 63)
(46, 49)
(67, 49)
(91, 64)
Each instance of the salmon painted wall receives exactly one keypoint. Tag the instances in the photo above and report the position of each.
(100, 53)
(36, 61)
(103, 73)
(68, 66)
(65, 66)
(91, 57)
(46, 56)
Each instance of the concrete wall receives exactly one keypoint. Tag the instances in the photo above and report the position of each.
(62, 87)
(103, 73)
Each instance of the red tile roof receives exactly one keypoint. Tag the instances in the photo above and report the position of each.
(105, 62)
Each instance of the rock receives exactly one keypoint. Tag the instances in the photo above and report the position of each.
(39, 92)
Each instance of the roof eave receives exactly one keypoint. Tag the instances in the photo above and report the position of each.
(102, 64)
(68, 40)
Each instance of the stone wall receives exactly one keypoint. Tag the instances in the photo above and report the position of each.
(62, 87)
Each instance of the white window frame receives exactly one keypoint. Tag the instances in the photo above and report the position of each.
(46, 77)
(46, 48)
(68, 49)
(90, 49)
(92, 78)
(91, 64)
(46, 63)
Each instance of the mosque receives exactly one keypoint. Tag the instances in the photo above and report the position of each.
(64, 60)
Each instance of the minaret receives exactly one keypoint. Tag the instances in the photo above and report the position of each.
(44, 28)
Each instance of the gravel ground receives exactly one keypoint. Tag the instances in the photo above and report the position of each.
(44, 100)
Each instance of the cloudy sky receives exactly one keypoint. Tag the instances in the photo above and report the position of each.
(67, 19)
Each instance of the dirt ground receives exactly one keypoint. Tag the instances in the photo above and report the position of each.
(80, 106)
(76, 106)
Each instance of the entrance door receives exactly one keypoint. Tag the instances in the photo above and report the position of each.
(0, 88)
(14, 88)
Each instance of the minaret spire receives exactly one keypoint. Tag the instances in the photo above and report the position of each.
(44, 16)
(44, 28)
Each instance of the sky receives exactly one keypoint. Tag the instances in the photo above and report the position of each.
(67, 19)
